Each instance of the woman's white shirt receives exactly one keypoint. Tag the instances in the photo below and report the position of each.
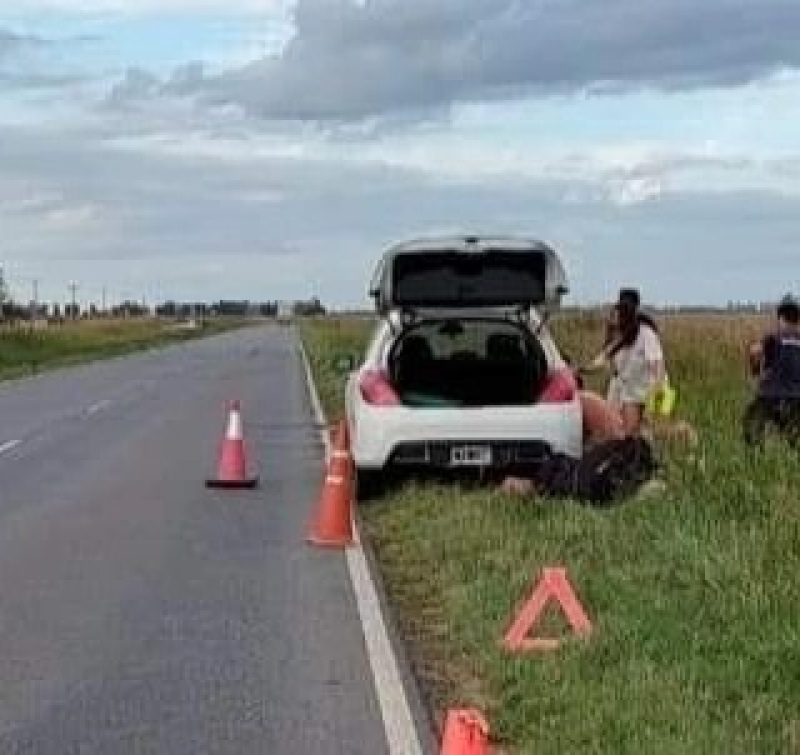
(633, 377)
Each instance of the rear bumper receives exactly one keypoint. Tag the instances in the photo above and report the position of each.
(440, 454)
(514, 436)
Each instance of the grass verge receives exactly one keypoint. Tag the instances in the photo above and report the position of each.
(694, 591)
(24, 352)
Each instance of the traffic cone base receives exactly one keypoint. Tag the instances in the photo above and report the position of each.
(466, 732)
(232, 468)
(247, 484)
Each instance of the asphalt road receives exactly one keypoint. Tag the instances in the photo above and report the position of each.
(141, 613)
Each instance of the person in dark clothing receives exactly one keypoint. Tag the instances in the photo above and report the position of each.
(775, 362)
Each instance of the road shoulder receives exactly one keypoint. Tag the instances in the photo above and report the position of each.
(408, 724)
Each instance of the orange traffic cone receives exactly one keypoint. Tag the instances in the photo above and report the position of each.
(341, 458)
(466, 732)
(332, 524)
(232, 467)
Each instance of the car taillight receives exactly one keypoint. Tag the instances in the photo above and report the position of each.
(560, 387)
(377, 390)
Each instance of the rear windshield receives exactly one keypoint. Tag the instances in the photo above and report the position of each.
(473, 339)
(485, 279)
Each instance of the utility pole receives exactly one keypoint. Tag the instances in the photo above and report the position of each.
(104, 301)
(35, 304)
(3, 293)
(73, 287)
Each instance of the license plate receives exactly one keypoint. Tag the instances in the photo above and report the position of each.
(471, 456)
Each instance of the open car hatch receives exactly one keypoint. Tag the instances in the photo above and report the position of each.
(458, 273)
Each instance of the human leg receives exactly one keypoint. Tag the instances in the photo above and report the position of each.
(632, 418)
(757, 416)
(788, 421)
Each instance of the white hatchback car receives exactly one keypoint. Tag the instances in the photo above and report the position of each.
(461, 370)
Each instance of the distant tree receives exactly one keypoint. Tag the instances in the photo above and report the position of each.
(233, 308)
(309, 308)
(167, 309)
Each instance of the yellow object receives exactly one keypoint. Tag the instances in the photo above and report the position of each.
(661, 400)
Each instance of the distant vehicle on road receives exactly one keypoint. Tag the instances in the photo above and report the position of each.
(461, 370)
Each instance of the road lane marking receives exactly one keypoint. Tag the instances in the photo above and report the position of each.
(9, 446)
(98, 407)
(398, 721)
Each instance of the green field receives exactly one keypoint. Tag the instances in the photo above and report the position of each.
(694, 591)
(25, 352)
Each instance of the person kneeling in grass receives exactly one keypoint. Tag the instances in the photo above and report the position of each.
(775, 363)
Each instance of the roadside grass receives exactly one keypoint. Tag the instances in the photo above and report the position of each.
(25, 352)
(693, 591)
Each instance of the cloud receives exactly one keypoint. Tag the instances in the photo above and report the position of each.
(354, 60)
(32, 81)
(191, 213)
(21, 62)
(202, 184)
(138, 83)
(143, 7)
(12, 43)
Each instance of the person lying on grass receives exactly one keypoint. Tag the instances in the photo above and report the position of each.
(605, 440)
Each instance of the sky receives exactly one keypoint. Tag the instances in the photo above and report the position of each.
(272, 149)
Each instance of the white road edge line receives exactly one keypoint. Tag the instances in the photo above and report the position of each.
(98, 407)
(9, 446)
(401, 731)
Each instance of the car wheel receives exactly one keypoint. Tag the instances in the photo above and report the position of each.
(370, 484)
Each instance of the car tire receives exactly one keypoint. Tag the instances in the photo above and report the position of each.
(370, 484)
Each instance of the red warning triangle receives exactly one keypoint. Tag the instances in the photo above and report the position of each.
(553, 584)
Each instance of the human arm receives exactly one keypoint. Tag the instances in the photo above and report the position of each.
(602, 360)
(661, 396)
(761, 354)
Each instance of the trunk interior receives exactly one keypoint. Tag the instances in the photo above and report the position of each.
(467, 363)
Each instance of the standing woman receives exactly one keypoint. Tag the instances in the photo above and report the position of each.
(637, 361)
